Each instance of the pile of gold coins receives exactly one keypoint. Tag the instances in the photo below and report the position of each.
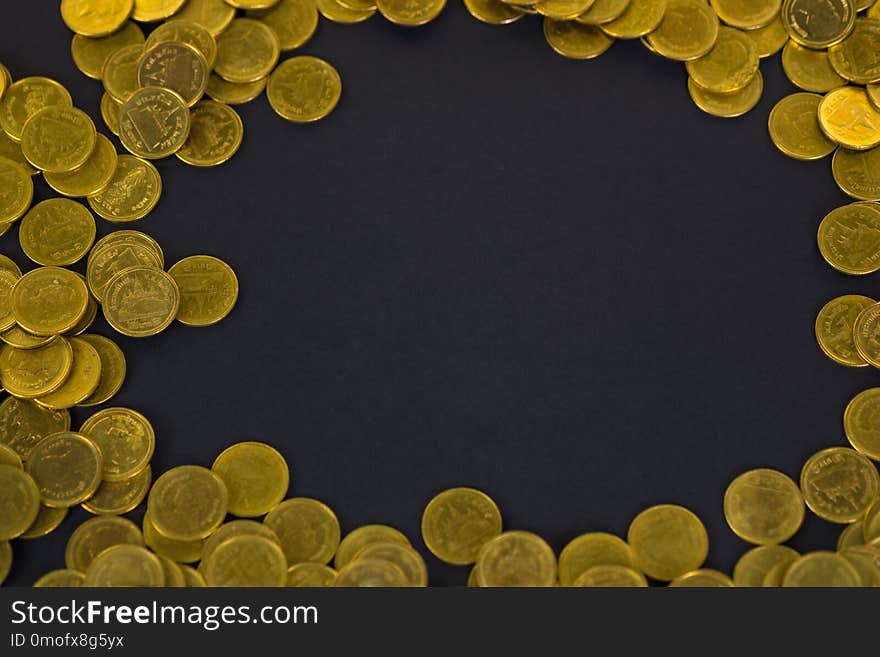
(232, 524)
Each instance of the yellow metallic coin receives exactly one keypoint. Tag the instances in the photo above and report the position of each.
(603, 11)
(57, 232)
(404, 557)
(849, 119)
(493, 12)
(610, 576)
(174, 65)
(95, 18)
(729, 66)
(125, 566)
(153, 123)
(214, 15)
(871, 526)
(120, 72)
(125, 438)
(861, 423)
(187, 503)
(358, 538)
(702, 578)
(855, 58)
(809, 70)
(20, 501)
(873, 91)
(310, 575)
(90, 55)
(516, 558)
(92, 177)
(247, 51)
(754, 566)
(857, 173)
(360, 5)
(23, 424)
(458, 522)
(839, 484)
(293, 21)
(590, 550)
(112, 369)
(11, 150)
(66, 467)
(173, 573)
(576, 40)
(364, 573)
(63, 578)
(640, 17)
(106, 260)
(110, 108)
(9, 456)
(794, 127)
(866, 334)
(251, 5)
(563, 10)
(821, 569)
(668, 541)
(235, 528)
(151, 11)
(215, 133)
(410, 13)
(16, 191)
(834, 329)
(246, 560)
(818, 23)
(183, 31)
(129, 237)
(5, 559)
(21, 339)
(191, 577)
(30, 373)
(58, 139)
(88, 317)
(141, 301)
(763, 507)
(866, 561)
(232, 93)
(49, 300)
(688, 30)
(133, 191)
(119, 497)
(178, 551)
(307, 529)
(747, 14)
(81, 381)
(256, 477)
(95, 535)
(849, 238)
(852, 535)
(7, 282)
(304, 89)
(25, 98)
(335, 11)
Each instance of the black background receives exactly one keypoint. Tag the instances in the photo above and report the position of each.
(556, 281)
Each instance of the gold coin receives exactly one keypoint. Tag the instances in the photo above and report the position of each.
(30, 373)
(215, 133)
(20, 501)
(847, 238)
(95, 19)
(458, 522)
(794, 127)
(172, 572)
(90, 55)
(88, 318)
(151, 11)
(214, 15)
(360, 5)
(232, 93)
(126, 237)
(873, 91)
(177, 66)
(848, 57)
(120, 72)
(125, 565)
(63, 578)
(849, 119)
(111, 258)
(8, 264)
(125, 438)
(404, 557)
(410, 13)
(590, 550)
(232, 529)
(640, 17)
(49, 300)
(153, 122)
(818, 23)
(702, 578)
(729, 66)
(27, 97)
(866, 334)
(133, 191)
(16, 193)
(92, 177)
(493, 12)
(370, 573)
(603, 11)
(21, 339)
(753, 566)
(5, 559)
(57, 232)
(58, 139)
(182, 31)
(839, 484)
(358, 538)
(247, 51)
(293, 21)
(310, 575)
(668, 541)
(23, 424)
(304, 89)
(308, 530)
(256, 478)
(860, 423)
(11, 150)
(866, 561)
(179, 551)
(516, 558)
(747, 14)
(823, 569)
(66, 467)
(871, 527)
(9, 456)
(95, 535)
(852, 535)
(563, 10)
(82, 380)
(119, 497)
(192, 578)
(575, 40)
(688, 30)
(857, 173)
(246, 560)
(834, 329)
(112, 369)
(809, 70)
(141, 301)
(252, 4)
(335, 11)
(763, 507)
(110, 108)
(187, 503)
(7, 282)
(610, 576)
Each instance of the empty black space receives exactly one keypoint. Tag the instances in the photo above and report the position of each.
(556, 281)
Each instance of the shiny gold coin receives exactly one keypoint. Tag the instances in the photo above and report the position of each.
(610, 576)
(747, 14)
(834, 329)
(702, 578)
(90, 55)
(151, 11)
(119, 497)
(30, 373)
(23, 424)
(575, 40)
(256, 477)
(794, 127)
(192, 578)
(66, 467)
(640, 17)
(849, 238)
(247, 51)
(133, 191)
(173, 574)
(857, 173)
(809, 70)
(88, 317)
(335, 11)
(850, 57)
(458, 522)
(95, 19)
(5, 559)
(493, 12)
(871, 526)
(235, 528)
(358, 538)
(20, 501)
(111, 258)
(590, 550)
(81, 381)
(174, 65)
(127, 237)
(154, 122)
(120, 72)
(668, 541)
(304, 89)
(839, 484)
(112, 369)
(27, 97)
(125, 438)
(214, 15)
(110, 108)
(232, 93)
(63, 578)
(852, 535)
(58, 139)
(849, 119)
(57, 232)
(729, 66)
(95, 535)
(370, 573)
(293, 21)
(866, 561)
(7, 282)
(860, 423)
(873, 91)
(307, 529)
(178, 551)
(141, 301)
(11, 150)
(9, 456)
(246, 560)
(754, 566)
(516, 558)
(866, 334)
(818, 23)
(8, 264)
(360, 5)
(92, 177)
(16, 192)
(562, 10)
(404, 557)
(252, 5)
(763, 507)
(310, 575)
(823, 569)
(49, 300)
(21, 339)
(188, 503)
(603, 11)
(126, 566)
(410, 13)
(688, 30)
(182, 31)
(216, 132)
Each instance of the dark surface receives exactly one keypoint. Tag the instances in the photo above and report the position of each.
(556, 281)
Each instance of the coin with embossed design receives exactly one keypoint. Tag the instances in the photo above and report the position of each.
(866, 334)
(25, 98)
(412, 13)
(808, 69)
(16, 191)
(307, 529)
(57, 232)
(49, 300)
(214, 15)
(23, 424)
(58, 138)
(80, 382)
(688, 30)
(30, 373)
(849, 119)
(493, 12)
(729, 66)
(216, 132)
(141, 301)
(256, 477)
(92, 177)
(247, 51)
(458, 522)
(188, 503)
(857, 57)
(19, 501)
(668, 540)
(640, 17)
(95, 19)
(304, 89)
(95, 535)
(118, 497)
(516, 558)
(173, 65)
(818, 23)
(834, 328)
(794, 127)
(153, 123)
(183, 31)
(311, 575)
(729, 105)
(861, 422)
(576, 40)
(334, 10)
(66, 467)
(208, 289)
(246, 560)
(125, 565)
(763, 506)
(151, 11)
(132, 193)
(590, 550)
(839, 484)
(112, 369)
(113, 257)
(294, 21)
(357, 538)
(125, 438)
(120, 72)
(849, 238)
(857, 173)
(90, 55)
